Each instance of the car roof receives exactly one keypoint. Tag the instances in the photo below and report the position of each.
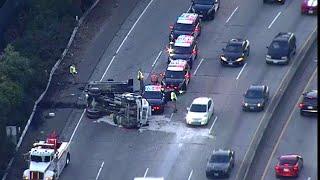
(221, 152)
(236, 41)
(152, 88)
(177, 65)
(311, 2)
(184, 41)
(200, 100)
(256, 87)
(283, 36)
(187, 18)
(288, 157)
(312, 94)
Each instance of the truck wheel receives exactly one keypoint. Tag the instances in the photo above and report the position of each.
(68, 160)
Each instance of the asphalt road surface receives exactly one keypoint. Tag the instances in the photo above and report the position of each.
(297, 135)
(168, 148)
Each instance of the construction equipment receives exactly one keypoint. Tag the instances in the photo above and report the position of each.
(47, 159)
(117, 99)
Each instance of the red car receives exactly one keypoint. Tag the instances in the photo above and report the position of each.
(289, 166)
(309, 6)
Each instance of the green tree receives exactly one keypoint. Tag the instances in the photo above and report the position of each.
(10, 96)
(15, 67)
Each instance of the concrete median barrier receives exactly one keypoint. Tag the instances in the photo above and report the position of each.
(296, 62)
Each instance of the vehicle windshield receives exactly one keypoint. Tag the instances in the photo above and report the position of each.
(183, 27)
(203, 2)
(175, 74)
(278, 45)
(35, 158)
(198, 108)
(234, 48)
(291, 161)
(253, 93)
(219, 159)
(182, 50)
(152, 95)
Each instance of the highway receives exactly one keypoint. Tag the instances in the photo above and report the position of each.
(288, 131)
(168, 148)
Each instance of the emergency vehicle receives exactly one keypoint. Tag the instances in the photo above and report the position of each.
(185, 47)
(186, 24)
(155, 97)
(47, 159)
(177, 76)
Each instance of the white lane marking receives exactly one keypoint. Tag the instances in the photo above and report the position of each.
(97, 177)
(155, 61)
(125, 38)
(190, 175)
(274, 20)
(189, 9)
(264, 114)
(171, 116)
(145, 9)
(146, 172)
(241, 71)
(105, 72)
(232, 14)
(285, 126)
(198, 67)
(214, 121)
(309, 178)
(75, 129)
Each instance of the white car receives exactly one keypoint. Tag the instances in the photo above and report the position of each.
(200, 111)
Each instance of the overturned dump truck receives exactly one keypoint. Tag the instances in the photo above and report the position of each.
(117, 100)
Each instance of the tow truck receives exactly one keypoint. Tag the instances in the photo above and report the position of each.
(47, 159)
(118, 100)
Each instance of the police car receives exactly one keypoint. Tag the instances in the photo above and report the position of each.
(155, 97)
(187, 24)
(177, 76)
(185, 47)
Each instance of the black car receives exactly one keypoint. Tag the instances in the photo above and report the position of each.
(186, 24)
(220, 164)
(309, 104)
(185, 47)
(235, 53)
(205, 8)
(177, 77)
(274, 1)
(282, 48)
(255, 98)
(155, 97)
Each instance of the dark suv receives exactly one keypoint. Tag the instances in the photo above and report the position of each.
(205, 8)
(186, 24)
(309, 104)
(282, 48)
(185, 47)
(255, 98)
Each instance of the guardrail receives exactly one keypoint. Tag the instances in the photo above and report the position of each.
(75, 30)
(296, 62)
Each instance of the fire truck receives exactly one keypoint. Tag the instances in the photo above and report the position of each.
(118, 100)
(47, 159)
